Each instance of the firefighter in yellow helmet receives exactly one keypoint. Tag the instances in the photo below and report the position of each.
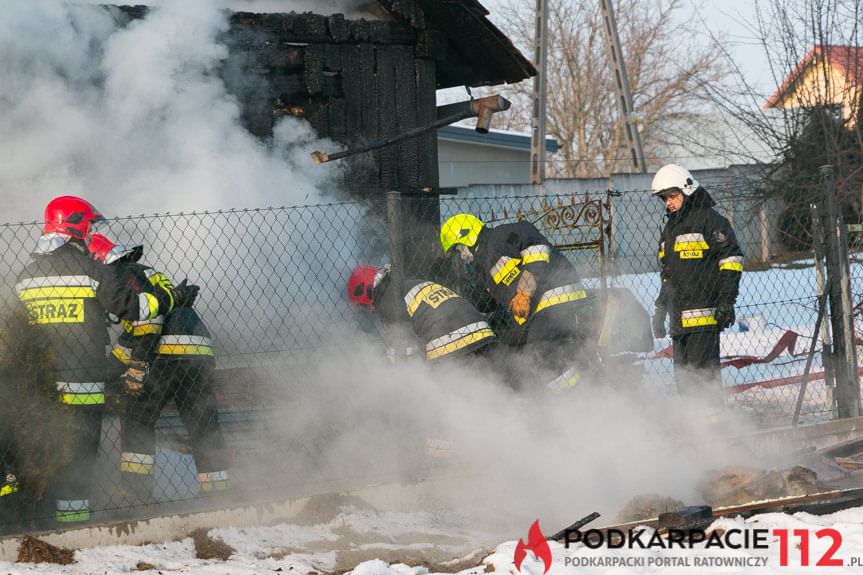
(68, 295)
(526, 274)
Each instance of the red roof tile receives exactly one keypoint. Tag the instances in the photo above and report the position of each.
(848, 60)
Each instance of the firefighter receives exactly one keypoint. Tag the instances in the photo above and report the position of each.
(67, 294)
(552, 315)
(446, 324)
(700, 269)
(164, 358)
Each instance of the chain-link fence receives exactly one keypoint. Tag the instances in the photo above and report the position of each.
(292, 355)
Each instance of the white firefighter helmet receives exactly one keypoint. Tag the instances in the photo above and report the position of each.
(673, 177)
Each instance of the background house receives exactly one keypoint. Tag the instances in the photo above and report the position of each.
(826, 75)
(467, 157)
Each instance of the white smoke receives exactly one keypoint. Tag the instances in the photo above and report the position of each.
(135, 118)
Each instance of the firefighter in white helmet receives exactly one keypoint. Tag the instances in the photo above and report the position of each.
(701, 265)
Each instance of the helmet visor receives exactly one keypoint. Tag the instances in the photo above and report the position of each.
(101, 227)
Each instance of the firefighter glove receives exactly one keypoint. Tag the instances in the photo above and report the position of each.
(184, 294)
(724, 314)
(133, 378)
(519, 305)
(659, 323)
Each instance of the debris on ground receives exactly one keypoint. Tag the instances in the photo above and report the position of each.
(737, 485)
(207, 547)
(34, 550)
(647, 507)
(325, 507)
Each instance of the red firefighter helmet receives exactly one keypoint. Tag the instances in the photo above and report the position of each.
(104, 250)
(363, 281)
(361, 285)
(70, 216)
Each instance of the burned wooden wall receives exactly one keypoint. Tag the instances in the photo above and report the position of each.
(355, 81)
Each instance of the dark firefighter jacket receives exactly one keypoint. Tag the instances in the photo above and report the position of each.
(700, 263)
(68, 293)
(185, 336)
(140, 338)
(444, 322)
(505, 251)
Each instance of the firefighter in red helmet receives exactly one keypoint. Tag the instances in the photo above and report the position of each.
(68, 295)
(164, 358)
(446, 325)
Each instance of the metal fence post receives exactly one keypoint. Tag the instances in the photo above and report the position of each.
(821, 282)
(395, 230)
(841, 315)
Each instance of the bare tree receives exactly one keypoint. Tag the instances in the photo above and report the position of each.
(668, 71)
(814, 117)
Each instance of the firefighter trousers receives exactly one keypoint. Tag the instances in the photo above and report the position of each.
(189, 383)
(696, 363)
(74, 487)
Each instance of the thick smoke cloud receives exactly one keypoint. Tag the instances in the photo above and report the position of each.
(135, 118)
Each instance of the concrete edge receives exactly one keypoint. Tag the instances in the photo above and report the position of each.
(422, 495)
(817, 436)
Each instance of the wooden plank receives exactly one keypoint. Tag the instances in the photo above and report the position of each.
(369, 161)
(389, 159)
(406, 117)
(340, 30)
(285, 56)
(428, 175)
(353, 103)
(360, 30)
(336, 129)
(314, 68)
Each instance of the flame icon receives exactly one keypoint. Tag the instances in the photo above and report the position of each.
(535, 542)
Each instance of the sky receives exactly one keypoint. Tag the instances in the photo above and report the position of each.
(719, 17)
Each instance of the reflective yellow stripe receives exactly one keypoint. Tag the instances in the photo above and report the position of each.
(159, 279)
(142, 463)
(149, 328)
(566, 380)
(72, 516)
(166, 349)
(56, 292)
(698, 321)
(661, 254)
(554, 300)
(505, 272)
(152, 304)
(215, 485)
(733, 263)
(121, 354)
(535, 254)
(431, 293)
(73, 510)
(82, 398)
(459, 343)
(688, 246)
(7, 489)
(697, 317)
(214, 481)
(142, 468)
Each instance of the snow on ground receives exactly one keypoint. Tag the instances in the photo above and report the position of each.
(420, 544)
